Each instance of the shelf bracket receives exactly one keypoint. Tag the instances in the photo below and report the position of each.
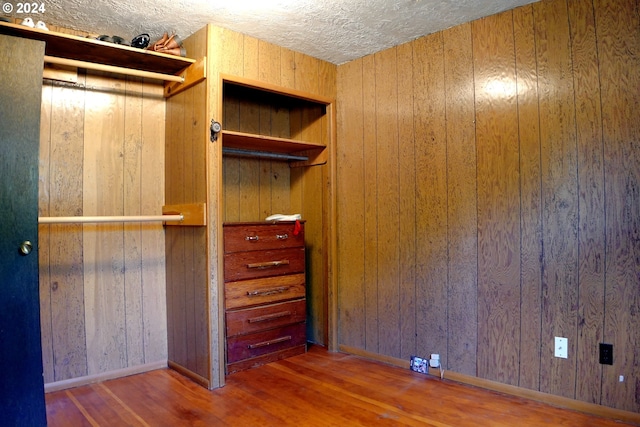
(191, 76)
(194, 214)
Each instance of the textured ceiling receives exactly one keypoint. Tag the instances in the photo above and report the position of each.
(334, 30)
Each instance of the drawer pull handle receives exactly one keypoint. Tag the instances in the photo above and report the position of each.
(266, 292)
(252, 238)
(268, 317)
(267, 343)
(282, 236)
(268, 264)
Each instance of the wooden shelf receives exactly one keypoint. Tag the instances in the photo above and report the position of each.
(247, 141)
(90, 50)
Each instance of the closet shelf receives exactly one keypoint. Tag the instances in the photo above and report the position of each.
(253, 142)
(77, 48)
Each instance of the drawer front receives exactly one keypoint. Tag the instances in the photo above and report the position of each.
(264, 291)
(257, 237)
(253, 345)
(270, 316)
(254, 264)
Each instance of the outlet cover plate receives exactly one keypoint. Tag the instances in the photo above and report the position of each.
(606, 354)
(561, 347)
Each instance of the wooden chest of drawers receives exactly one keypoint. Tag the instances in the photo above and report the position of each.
(265, 304)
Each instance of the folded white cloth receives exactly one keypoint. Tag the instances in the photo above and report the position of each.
(282, 217)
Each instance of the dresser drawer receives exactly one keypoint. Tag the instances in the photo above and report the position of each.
(239, 322)
(254, 264)
(256, 237)
(264, 291)
(253, 345)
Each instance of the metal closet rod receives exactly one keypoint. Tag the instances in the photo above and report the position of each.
(101, 219)
(261, 154)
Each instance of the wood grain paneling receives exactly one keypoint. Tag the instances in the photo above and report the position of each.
(431, 196)
(530, 198)
(132, 152)
(103, 244)
(407, 201)
(388, 210)
(350, 205)
(559, 194)
(104, 305)
(545, 219)
(498, 199)
(370, 237)
(461, 201)
(65, 263)
(618, 42)
(154, 305)
(591, 244)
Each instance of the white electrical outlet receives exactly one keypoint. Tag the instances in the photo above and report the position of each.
(562, 347)
(434, 362)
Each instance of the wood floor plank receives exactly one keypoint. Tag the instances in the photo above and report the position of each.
(317, 388)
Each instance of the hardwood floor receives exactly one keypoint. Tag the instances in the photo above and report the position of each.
(314, 389)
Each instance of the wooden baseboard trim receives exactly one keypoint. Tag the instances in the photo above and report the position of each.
(104, 376)
(190, 374)
(562, 402)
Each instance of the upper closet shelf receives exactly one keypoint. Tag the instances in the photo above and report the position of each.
(246, 141)
(77, 48)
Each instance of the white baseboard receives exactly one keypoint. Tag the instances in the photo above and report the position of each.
(104, 376)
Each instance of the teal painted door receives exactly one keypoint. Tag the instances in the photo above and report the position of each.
(21, 382)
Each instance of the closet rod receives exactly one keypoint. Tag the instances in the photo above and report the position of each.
(112, 69)
(262, 154)
(101, 219)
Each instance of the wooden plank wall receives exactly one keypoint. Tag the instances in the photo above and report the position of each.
(254, 189)
(185, 181)
(488, 198)
(102, 287)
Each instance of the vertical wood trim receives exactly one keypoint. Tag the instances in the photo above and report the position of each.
(530, 198)
(498, 199)
(461, 201)
(559, 195)
(191, 285)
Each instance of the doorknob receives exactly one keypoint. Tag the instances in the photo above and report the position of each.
(26, 247)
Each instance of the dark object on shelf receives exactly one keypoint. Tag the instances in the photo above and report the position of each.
(118, 40)
(141, 41)
(109, 39)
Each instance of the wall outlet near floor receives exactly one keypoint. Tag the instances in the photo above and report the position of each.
(606, 354)
(434, 362)
(561, 347)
